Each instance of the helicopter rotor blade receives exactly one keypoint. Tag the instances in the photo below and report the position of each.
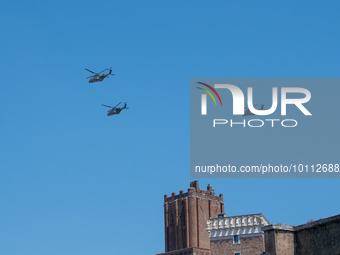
(107, 106)
(118, 104)
(89, 71)
(90, 76)
(104, 70)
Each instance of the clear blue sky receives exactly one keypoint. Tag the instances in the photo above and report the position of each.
(75, 181)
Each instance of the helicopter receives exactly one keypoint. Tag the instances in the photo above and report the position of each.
(115, 110)
(98, 76)
(248, 112)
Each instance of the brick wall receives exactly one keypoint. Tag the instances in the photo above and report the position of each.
(269, 241)
(319, 237)
(188, 251)
(247, 246)
(279, 240)
(284, 242)
(185, 217)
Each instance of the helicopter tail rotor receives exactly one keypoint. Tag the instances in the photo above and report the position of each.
(125, 104)
(111, 71)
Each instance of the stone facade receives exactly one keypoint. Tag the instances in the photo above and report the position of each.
(279, 239)
(321, 237)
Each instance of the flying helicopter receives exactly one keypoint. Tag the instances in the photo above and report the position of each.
(98, 76)
(115, 110)
(248, 112)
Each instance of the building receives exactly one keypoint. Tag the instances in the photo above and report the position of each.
(185, 219)
(240, 234)
(195, 224)
(321, 237)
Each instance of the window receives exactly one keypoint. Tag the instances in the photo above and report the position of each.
(236, 239)
(237, 253)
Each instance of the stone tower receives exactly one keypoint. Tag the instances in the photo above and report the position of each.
(185, 219)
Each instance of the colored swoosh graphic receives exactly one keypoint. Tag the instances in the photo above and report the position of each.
(212, 90)
(209, 94)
